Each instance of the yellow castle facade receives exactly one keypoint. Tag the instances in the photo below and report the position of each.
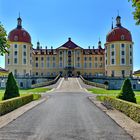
(114, 59)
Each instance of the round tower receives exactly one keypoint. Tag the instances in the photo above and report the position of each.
(19, 59)
(119, 51)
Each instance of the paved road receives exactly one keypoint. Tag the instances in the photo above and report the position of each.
(66, 115)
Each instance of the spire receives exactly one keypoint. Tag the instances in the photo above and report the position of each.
(38, 45)
(99, 44)
(118, 20)
(19, 22)
(112, 24)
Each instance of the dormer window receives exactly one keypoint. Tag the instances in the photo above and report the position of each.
(15, 38)
(122, 37)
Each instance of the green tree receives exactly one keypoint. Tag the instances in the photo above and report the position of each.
(12, 89)
(127, 93)
(136, 13)
(3, 41)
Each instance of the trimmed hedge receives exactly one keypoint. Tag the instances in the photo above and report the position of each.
(14, 103)
(94, 84)
(132, 110)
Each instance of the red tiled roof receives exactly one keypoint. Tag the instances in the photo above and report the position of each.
(117, 33)
(19, 35)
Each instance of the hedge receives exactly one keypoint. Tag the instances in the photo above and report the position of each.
(14, 103)
(132, 110)
(94, 84)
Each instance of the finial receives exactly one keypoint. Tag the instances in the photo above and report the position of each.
(118, 12)
(19, 22)
(112, 23)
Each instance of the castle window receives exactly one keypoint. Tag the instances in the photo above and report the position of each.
(122, 37)
(123, 61)
(96, 65)
(48, 65)
(90, 58)
(131, 62)
(112, 46)
(15, 60)
(122, 45)
(113, 73)
(24, 53)
(15, 46)
(85, 58)
(130, 53)
(53, 65)
(15, 72)
(15, 53)
(42, 64)
(37, 65)
(36, 73)
(123, 73)
(42, 58)
(130, 46)
(53, 58)
(21, 84)
(78, 58)
(36, 58)
(24, 61)
(90, 65)
(24, 46)
(106, 62)
(85, 65)
(112, 53)
(60, 52)
(15, 38)
(112, 61)
(123, 53)
(60, 58)
(96, 58)
(101, 58)
(48, 58)
(78, 65)
(8, 61)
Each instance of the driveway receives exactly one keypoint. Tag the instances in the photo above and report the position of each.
(66, 115)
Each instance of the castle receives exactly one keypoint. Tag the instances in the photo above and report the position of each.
(115, 59)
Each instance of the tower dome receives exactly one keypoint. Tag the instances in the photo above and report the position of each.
(19, 34)
(119, 33)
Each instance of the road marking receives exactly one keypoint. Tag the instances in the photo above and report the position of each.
(60, 83)
(79, 84)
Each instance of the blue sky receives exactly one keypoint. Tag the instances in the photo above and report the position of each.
(53, 21)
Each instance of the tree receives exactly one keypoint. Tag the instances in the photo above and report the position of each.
(3, 41)
(12, 89)
(136, 13)
(127, 93)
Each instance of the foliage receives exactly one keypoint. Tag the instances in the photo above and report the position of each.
(3, 41)
(11, 104)
(130, 109)
(136, 13)
(127, 93)
(12, 89)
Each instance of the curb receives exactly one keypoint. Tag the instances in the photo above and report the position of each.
(130, 126)
(6, 119)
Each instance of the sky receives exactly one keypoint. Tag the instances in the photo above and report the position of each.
(52, 22)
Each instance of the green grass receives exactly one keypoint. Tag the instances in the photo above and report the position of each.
(112, 93)
(24, 92)
(104, 91)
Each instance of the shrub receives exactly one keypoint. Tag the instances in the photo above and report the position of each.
(11, 104)
(12, 89)
(130, 109)
(127, 93)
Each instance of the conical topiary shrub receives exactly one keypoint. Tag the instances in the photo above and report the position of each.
(127, 93)
(12, 89)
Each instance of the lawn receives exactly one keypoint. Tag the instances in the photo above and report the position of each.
(24, 92)
(112, 93)
(108, 92)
